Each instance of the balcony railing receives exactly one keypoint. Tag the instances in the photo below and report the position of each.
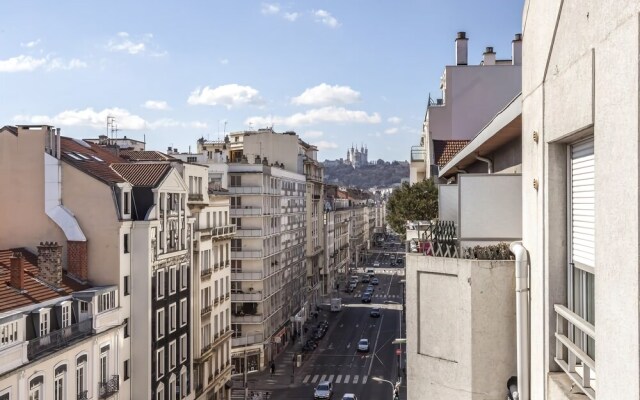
(59, 338)
(110, 387)
(570, 356)
(195, 197)
(254, 296)
(206, 273)
(418, 153)
(235, 254)
(83, 395)
(205, 310)
(246, 210)
(246, 189)
(247, 319)
(249, 233)
(223, 231)
(247, 340)
(246, 276)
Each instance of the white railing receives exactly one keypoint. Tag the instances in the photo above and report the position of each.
(255, 296)
(570, 356)
(247, 340)
(247, 319)
(246, 211)
(245, 189)
(246, 254)
(246, 276)
(249, 233)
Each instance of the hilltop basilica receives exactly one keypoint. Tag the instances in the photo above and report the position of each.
(357, 158)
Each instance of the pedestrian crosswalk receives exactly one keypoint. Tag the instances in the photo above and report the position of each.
(336, 379)
(380, 295)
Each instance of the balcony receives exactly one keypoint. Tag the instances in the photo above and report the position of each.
(59, 338)
(205, 273)
(246, 190)
(239, 254)
(223, 232)
(571, 356)
(195, 198)
(247, 340)
(253, 296)
(239, 211)
(249, 232)
(205, 310)
(247, 319)
(418, 153)
(110, 387)
(83, 395)
(246, 276)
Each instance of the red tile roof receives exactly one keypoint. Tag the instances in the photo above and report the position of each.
(142, 174)
(91, 159)
(134, 155)
(35, 290)
(445, 150)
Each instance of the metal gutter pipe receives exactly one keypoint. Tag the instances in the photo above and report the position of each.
(522, 318)
(488, 161)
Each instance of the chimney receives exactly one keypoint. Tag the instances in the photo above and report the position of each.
(50, 263)
(516, 50)
(78, 260)
(461, 48)
(489, 57)
(17, 271)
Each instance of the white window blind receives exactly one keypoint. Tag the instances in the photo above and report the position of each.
(582, 199)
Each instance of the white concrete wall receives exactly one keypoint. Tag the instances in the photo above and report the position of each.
(460, 328)
(580, 74)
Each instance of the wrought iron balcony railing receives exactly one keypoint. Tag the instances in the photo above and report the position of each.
(110, 387)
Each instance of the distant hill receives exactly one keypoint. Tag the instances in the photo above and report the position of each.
(382, 174)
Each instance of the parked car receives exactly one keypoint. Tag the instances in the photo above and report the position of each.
(376, 263)
(375, 312)
(363, 345)
(324, 390)
(370, 287)
(365, 279)
(349, 396)
(366, 298)
(375, 281)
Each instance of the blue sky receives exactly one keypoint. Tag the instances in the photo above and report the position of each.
(335, 71)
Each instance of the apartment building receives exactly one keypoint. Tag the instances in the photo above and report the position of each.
(580, 198)
(337, 216)
(470, 96)
(59, 338)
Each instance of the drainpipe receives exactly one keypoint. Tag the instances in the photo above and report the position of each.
(488, 161)
(522, 319)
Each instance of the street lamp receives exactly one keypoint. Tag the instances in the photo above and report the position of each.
(394, 387)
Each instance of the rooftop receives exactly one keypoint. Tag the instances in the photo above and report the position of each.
(91, 158)
(445, 150)
(147, 155)
(142, 174)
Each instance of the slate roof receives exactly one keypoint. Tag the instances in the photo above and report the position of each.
(135, 155)
(142, 174)
(91, 159)
(445, 150)
(36, 291)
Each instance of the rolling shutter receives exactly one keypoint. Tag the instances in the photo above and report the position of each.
(582, 198)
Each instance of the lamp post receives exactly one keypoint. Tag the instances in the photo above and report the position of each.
(394, 387)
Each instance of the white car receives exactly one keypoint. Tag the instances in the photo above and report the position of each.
(376, 263)
(363, 345)
(324, 390)
(349, 396)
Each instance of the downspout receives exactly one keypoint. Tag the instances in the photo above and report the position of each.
(488, 161)
(522, 320)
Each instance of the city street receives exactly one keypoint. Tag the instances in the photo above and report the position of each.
(337, 360)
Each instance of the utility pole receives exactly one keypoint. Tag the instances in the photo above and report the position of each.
(246, 386)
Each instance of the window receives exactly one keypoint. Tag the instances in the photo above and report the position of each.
(126, 285)
(84, 307)
(184, 313)
(160, 283)
(160, 392)
(126, 201)
(172, 355)
(44, 323)
(81, 375)
(8, 333)
(236, 180)
(184, 276)
(66, 315)
(127, 372)
(36, 391)
(104, 365)
(183, 382)
(160, 323)
(126, 328)
(183, 348)
(59, 378)
(172, 317)
(5, 394)
(125, 243)
(107, 301)
(172, 388)
(206, 336)
(173, 280)
(160, 363)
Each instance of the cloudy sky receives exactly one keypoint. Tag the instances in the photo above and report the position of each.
(335, 71)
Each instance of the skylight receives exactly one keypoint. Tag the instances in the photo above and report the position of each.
(97, 158)
(75, 157)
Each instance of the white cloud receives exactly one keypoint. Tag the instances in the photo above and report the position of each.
(156, 105)
(391, 131)
(317, 115)
(124, 43)
(394, 120)
(231, 95)
(324, 94)
(290, 16)
(97, 119)
(224, 61)
(324, 145)
(270, 8)
(326, 18)
(23, 63)
(312, 134)
(30, 44)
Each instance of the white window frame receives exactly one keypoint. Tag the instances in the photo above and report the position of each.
(36, 392)
(160, 283)
(160, 323)
(184, 276)
(173, 356)
(183, 382)
(173, 317)
(81, 384)
(160, 392)
(5, 394)
(184, 312)
(59, 382)
(44, 322)
(172, 387)
(173, 280)
(183, 348)
(65, 312)
(104, 366)
(160, 363)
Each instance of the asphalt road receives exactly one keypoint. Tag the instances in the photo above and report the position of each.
(336, 359)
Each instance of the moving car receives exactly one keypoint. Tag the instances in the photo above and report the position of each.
(376, 263)
(365, 279)
(370, 288)
(375, 281)
(363, 345)
(366, 298)
(375, 312)
(324, 390)
(349, 396)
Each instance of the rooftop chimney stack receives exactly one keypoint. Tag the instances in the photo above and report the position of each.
(516, 50)
(50, 263)
(461, 48)
(17, 271)
(489, 57)
(78, 260)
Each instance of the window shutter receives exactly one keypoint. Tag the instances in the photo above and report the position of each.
(582, 198)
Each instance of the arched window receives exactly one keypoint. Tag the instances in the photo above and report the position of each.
(82, 373)
(160, 392)
(36, 387)
(172, 387)
(60, 382)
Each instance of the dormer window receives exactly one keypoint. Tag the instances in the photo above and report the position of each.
(44, 322)
(126, 203)
(107, 301)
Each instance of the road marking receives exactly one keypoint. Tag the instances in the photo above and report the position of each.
(306, 379)
(348, 345)
(346, 378)
(364, 379)
(355, 379)
(375, 345)
(315, 379)
(330, 378)
(324, 378)
(338, 378)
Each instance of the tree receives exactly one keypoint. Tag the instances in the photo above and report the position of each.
(418, 202)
